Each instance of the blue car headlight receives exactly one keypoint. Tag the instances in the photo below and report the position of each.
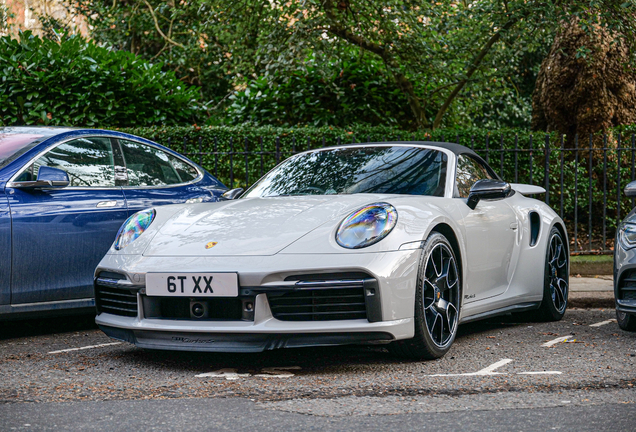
(367, 226)
(134, 227)
(627, 235)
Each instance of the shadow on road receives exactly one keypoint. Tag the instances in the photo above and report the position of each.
(46, 326)
(311, 360)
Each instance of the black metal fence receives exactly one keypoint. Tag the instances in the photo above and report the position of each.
(584, 178)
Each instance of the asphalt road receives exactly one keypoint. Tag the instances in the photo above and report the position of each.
(499, 375)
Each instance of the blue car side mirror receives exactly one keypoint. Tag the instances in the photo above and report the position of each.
(48, 178)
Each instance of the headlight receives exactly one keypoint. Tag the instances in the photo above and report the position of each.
(627, 235)
(134, 227)
(366, 226)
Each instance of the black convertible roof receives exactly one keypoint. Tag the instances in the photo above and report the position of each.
(455, 148)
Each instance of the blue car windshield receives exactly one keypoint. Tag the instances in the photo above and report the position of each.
(374, 169)
(13, 145)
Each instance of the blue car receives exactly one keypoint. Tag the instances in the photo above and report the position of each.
(64, 193)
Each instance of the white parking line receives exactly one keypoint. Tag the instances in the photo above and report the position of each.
(84, 348)
(490, 371)
(228, 374)
(598, 324)
(485, 371)
(268, 372)
(556, 341)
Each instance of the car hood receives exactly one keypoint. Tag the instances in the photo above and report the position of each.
(252, 226)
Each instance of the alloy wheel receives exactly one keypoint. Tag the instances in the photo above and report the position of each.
(557, 268)
(441, 295)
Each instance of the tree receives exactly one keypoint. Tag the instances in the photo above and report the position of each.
(587, 83)
(453, 60)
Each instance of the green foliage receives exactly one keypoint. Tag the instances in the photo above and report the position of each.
(77, 83)
(319, 93)
(196, 41)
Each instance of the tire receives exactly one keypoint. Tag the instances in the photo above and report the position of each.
(626, 321)
(556, 278)
(437, 302)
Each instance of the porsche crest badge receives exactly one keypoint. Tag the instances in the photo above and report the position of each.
(210, 245)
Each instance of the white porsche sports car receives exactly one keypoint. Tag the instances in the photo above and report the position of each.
(387, 243)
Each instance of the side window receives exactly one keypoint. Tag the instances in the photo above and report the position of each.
(469, 171)
(149, 166)
(88, 162)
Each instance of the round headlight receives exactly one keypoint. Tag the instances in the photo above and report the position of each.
(134, 227)
(627, 235)
(366, 226)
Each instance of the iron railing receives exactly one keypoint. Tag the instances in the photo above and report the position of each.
(584, 178)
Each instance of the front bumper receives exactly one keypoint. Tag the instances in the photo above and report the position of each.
(389, 313)
(625, 279)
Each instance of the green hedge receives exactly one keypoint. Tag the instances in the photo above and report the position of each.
(75, 82)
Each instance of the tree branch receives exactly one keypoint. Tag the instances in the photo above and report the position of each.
(473, 68)
(154, 18)
(337, 29)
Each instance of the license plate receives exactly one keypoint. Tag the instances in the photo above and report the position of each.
(192, 284)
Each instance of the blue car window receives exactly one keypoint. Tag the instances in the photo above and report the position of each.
(185, 171)
(150, 166)
(88, 162)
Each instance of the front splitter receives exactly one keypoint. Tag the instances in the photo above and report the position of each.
(239, 342)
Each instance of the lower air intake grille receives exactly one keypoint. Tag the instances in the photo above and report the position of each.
(116, 301)
(320, 301)
(627, 286)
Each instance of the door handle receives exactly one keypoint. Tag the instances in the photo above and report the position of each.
(514, 226)
(103, 204)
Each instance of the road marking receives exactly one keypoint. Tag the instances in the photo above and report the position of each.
(490, 370)
(269, 372)
(485, 371)
(277, 372)
(84, 348)
(228, 374)
(598, 324)
(556, 341)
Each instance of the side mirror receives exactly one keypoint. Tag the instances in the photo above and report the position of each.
(630, 189)
(232, 193)
(48, 178)
(487, 189)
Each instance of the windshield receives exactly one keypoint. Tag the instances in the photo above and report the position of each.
(394, 170)
(13, 145)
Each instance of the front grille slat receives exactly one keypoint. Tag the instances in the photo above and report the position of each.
(112, 300)
(320, 301)
(627, 286)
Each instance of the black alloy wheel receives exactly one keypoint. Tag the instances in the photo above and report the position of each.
(626, 321)
(437, 302)
(556, 278)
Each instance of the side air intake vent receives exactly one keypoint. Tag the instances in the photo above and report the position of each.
(535, 227)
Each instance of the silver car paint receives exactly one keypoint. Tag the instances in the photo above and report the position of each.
(292, 235)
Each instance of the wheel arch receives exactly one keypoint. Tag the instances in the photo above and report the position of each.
(559, 225)
(450, 235)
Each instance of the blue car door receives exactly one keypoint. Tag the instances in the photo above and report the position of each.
(156, 177)
(60, 235)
